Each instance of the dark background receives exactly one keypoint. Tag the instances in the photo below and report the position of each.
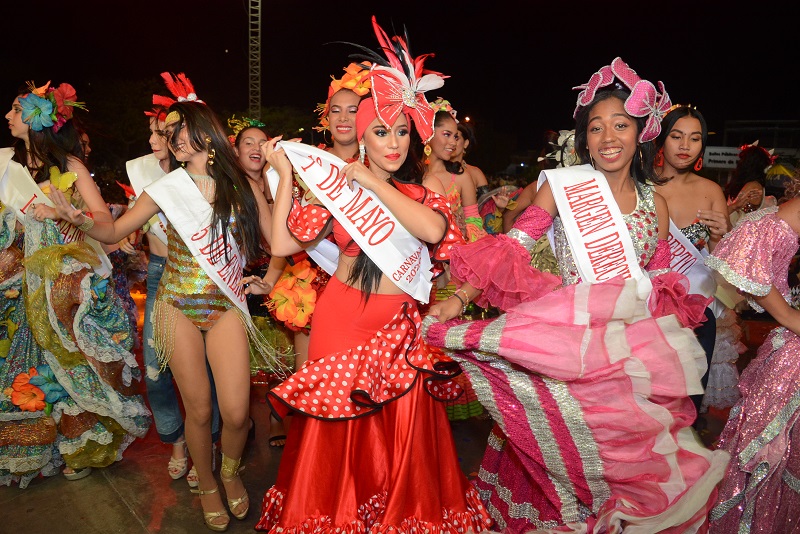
(512, 65)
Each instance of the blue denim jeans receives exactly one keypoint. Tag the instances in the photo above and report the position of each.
(161, 393)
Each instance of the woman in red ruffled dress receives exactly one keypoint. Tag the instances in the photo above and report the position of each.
(369, 448)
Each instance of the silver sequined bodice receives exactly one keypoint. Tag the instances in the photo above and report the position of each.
(642, 225)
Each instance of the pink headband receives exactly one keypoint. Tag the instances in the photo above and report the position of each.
(644, 100)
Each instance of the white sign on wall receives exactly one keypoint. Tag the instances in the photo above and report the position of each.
(721, 157)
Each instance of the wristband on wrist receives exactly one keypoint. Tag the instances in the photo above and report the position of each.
(87, 224)
(463, 303)
(466, 296)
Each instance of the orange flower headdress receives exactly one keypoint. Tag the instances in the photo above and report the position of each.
(355, 78)
(399, 83)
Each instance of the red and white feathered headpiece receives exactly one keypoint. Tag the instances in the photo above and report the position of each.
(181, 88)
(644, 100)
(399, 83)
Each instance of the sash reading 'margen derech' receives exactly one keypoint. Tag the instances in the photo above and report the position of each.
(19, 190)
(400, 256)
(190, 214)
(594, 227)
(142, 172)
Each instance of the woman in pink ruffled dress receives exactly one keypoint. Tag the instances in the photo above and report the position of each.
(761, 488)
(588, 383)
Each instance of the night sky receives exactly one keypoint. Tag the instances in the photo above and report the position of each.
(511, 68)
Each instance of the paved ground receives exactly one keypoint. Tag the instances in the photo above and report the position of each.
(136, 495)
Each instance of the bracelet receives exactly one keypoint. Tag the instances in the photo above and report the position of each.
(463, 304)
(466, 296)
(86, 225)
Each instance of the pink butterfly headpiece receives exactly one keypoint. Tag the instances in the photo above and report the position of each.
(399, 83)
(644, 100)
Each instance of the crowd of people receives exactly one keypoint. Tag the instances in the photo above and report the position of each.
(613, 285)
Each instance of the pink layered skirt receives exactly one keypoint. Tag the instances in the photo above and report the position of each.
(592, 410)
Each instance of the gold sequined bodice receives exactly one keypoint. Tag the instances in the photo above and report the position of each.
(184, 284)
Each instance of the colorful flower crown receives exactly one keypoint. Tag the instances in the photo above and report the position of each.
(237, 125)
(356, 78)
(644, 100)
(48, 107)
(440, 104)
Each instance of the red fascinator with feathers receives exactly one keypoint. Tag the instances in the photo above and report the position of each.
(182, 90)
(399, 82)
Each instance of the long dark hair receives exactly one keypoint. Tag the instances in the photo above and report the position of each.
(49, 148)
(364, 271)
(233, 193)
(642, 170)
(674, 116)
(453, 167)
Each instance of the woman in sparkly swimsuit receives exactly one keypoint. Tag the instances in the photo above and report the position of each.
(216, 218)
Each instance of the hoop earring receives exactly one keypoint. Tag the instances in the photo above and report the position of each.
(698, 164)
(326, 141)
(362, 152)
(659, 159)
(641, 159)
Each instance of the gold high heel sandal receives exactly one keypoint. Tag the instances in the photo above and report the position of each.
(208, 517)
(228, 471)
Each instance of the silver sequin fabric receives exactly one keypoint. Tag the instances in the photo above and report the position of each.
(642, 225)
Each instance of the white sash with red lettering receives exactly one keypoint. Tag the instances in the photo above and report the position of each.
(399, 255)
(190, 213)
(142, 172)
(594, 227)
(21, 192)
(687, 260)
(324, 252)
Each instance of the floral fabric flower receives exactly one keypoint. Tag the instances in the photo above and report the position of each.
(294, 296)
(48, 107)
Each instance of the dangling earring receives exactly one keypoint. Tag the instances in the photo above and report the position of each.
(591, 159)
(659, 159)
(698, 164)
(362, 152)
(427, 151)
(211, 152)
